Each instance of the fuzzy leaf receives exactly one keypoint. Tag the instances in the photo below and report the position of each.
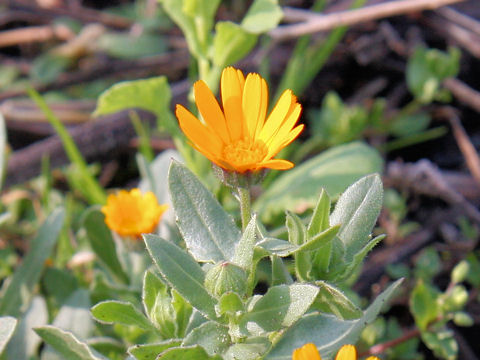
(120, 312)
(357, 211)
(102, 243)
(331, 300)
(244, 250)
(334, 170)
(281, 306)
(151, 351)
(181, 353)
(209, 232)
(182, 272)
(321, 214)
(211, 336)
(66, 344)
(7, 327)
(327, 332)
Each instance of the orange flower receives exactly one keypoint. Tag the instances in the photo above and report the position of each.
(309, 352)
(240, 137)
(131, 213)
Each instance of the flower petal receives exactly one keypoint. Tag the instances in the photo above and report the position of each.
(277, 116)
(198, 133)
(232, 90)
(210, 109)
(347, 352)
(306, 352)
(277, 164)
(253, 103)
(274, 148)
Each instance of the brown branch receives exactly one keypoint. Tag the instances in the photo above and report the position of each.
(381, 348)
(464, 93)
(466, 147)
(32, 34)
(316, 23)
(460, 19)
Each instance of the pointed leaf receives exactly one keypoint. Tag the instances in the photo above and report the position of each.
(211, 336)
(231, 43)
(331, 300)
(181, 353)
(16, 297)
(244, 250)
(281, 306)
(66, 344)
(209, 232)
(102, 243)
(152, 285)
(120, 312)
(296, 230)
(262, 16)
(151, 351)
(182, 272)
(321, 214)
(327, 332)
(280, 274)
(334, 170)
(357, 211)
(7, 327)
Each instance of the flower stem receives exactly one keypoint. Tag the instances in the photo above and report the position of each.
(381, 348)
(245, 205)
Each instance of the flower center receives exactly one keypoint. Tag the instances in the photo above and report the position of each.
(244, 151)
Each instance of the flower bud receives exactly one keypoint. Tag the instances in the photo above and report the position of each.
(226, 277)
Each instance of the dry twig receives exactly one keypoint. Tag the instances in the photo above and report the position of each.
(32, 34)
(463, 93)
(313, 23)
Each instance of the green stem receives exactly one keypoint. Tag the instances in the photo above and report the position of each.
(245, 206)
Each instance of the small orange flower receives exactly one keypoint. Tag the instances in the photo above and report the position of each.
(309, 352)
(131, 213)
(240, 137)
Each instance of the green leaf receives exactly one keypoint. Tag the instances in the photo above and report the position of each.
(121, 312)
(90, 188)
(3, 147)
(20, 289)
(277, 247)
(151, 351)
(102, 243)
(211, 336)
(25, 342)
(332, 300)
(281, 306)
(262, 16)
(152, 95)
(327, 332)
(280, 273)
(296, 230)
(66, 344)
(7, 327)
(182, 272)
(244, 251)
(181, 353)
(334, 170)
(321, 214)
(209, 232)
(48, 67)
(442, 343)
(152, 286)
(423, 304)
(357, 211)
(410, 124)
(230, 303)
(231, 43)
(251, 349)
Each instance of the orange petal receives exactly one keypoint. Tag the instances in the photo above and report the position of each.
(306, 352)
(347, 352)
(197, 133)
(277, 116)
(277, 164)
(231, 85)
(253, 104)
(372, 358)
(274, 148)
(210, 109)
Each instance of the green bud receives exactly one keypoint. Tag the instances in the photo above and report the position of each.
(226, 277)
(456, 299)
(460, 271)
(462, 319)
(163, 315)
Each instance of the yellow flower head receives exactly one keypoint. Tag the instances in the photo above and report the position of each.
(131, 213)
(309, 352)
(241, 137)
